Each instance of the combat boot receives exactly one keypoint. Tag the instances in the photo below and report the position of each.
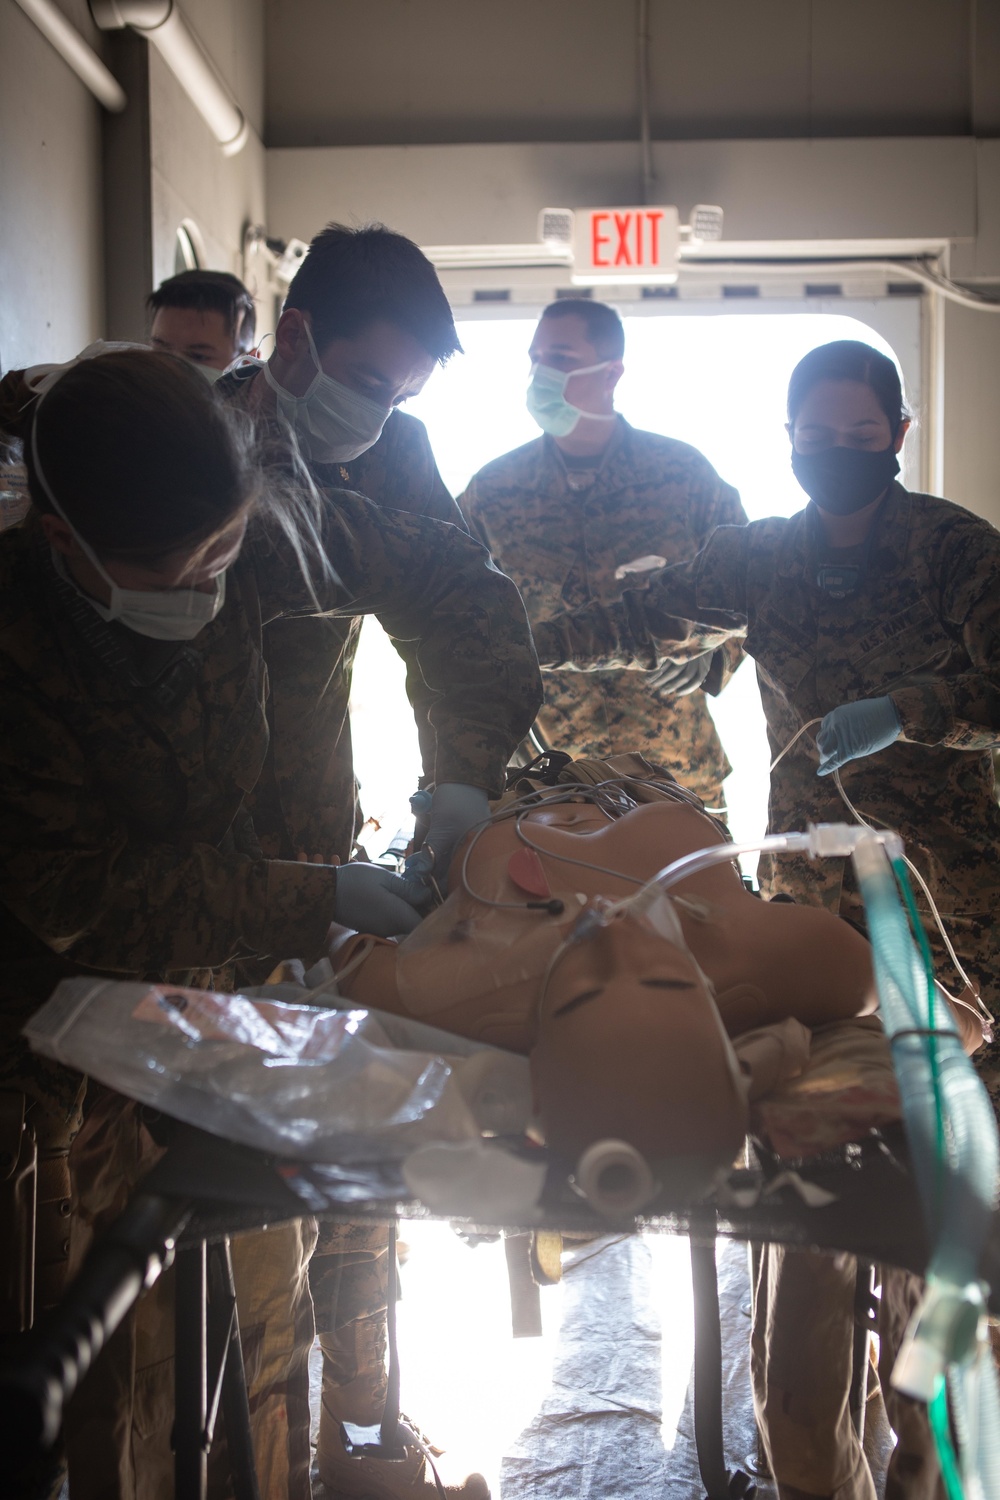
(410, 1478)
(354, 1387)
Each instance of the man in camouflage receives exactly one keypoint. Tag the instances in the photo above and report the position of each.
(579, 515)
(380, 323)
(920, 626)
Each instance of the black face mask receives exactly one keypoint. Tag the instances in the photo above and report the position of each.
(843, 480)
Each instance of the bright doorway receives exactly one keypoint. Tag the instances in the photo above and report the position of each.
(713, 378)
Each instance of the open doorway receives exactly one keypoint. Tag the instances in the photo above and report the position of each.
(703, 374)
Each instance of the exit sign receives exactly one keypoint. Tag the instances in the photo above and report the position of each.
(625, 245)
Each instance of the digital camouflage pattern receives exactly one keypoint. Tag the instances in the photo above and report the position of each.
(126, 764)
(923, 627)
(310, 788)
(652, 497)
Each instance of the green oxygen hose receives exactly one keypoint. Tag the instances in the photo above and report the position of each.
(903, 878)
(937, 1411)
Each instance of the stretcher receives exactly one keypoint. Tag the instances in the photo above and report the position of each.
(361, 1113)
(856, 1195)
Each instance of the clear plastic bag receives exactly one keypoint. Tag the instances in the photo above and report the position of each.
(273, 1072)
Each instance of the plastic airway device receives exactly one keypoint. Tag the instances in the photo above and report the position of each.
(525, 870)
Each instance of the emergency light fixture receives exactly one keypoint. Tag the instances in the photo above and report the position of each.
(615, 245)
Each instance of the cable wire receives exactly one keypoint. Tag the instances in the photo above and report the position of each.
(982, 1011)
(797, 735)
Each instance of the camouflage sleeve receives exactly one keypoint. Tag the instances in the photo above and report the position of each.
(963, 710)
(725, 508)
(435, 587)
(426, 494)
(684, 611)
(82, 883)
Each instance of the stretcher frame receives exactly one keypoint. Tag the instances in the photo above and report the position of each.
(204, 1189)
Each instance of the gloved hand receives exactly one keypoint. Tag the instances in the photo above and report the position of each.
(454, 811)
(676, 679)
(371, 899)
(854, 730)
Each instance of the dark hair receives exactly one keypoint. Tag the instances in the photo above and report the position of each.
(604, 326)
(848, 359)
(211, 291)
(138, 452)
(351, 278)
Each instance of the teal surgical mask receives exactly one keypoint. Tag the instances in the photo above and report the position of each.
(547, 402)
(333, 424)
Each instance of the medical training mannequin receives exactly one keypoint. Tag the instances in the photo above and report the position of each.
(624, 1010)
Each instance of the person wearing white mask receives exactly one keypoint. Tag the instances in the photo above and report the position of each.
(364, 325)
(583, 512)
(133, 685)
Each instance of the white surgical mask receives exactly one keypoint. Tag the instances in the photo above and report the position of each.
(210, 373)
(332, 423)
(546, 400)
(160, 614)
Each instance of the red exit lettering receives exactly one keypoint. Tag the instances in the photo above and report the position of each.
(636, 238)
(598, 240)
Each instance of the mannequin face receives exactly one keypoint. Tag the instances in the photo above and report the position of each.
(629, 1040)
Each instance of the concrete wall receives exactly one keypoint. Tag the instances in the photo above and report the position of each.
(866, 189)
(51, 234)
(90, 203)
(190, 177)
(169, 169)
(380, 72)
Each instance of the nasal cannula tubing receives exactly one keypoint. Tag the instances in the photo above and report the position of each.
(938, 920)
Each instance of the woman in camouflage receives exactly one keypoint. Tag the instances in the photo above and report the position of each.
(133, 687)
(874, 619)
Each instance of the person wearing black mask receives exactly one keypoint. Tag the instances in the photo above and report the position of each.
(874, 618)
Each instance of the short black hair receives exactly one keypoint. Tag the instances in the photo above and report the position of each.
(849, 359)
(211, 291)
(351, 278)
(604, 327)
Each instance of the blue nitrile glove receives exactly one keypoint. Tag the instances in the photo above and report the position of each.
(455, 810)
(371, 899)
(676, 679)
(854, 730)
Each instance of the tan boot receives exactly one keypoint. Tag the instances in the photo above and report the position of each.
(410, 1478)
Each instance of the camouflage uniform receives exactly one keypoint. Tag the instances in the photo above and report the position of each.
(923, 626)
(126, 764)
(309, 790)
(562, 544)
(307, 799)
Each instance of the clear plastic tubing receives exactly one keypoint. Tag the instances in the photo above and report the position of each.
(820, 841)
(958, 1192)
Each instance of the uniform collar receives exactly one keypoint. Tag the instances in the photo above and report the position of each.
(550, 462)
(890, 538)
